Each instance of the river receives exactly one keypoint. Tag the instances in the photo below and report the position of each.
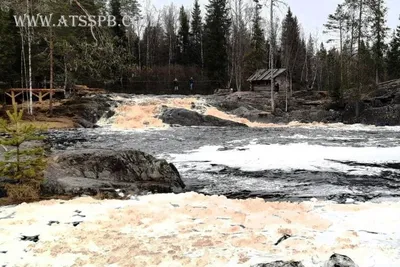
(295, 162)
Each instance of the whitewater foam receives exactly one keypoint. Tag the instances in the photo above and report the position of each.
(291, 157)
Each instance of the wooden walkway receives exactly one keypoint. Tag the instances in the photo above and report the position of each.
(13, 93)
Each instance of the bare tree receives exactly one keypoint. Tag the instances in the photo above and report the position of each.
(271, 54)
(29, 34)
(239, 34)
(170, 20)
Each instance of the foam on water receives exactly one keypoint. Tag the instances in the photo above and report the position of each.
(195, 230)
(290, 157)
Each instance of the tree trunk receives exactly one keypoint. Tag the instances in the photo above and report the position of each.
(51, 71)
(271, 51)
(24, 77)
(169, 58)
(286, 92)
(30, 109)
(139, 52)
(202, 55)
(341, 56)
(359, 61)
(66, 76)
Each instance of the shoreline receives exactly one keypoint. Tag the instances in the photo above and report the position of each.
(76, 112)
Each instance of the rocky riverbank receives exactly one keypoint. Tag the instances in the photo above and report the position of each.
(380, 108)
(195, 230)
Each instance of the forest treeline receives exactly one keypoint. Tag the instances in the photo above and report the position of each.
(220, 48)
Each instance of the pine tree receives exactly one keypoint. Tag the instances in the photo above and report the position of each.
(292, 48)
(393, 56)
(183, 37)
(196, 36)
(256, 58)
(322, 67)
(379, 32)
(333, 74)
(258, 38)
(9, 49)
(310, 72)
(119, 29)
(337, 24)
(216, 32)
(23, 167)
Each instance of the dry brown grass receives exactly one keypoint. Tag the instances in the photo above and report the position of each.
(41, 118)
(22, 192)
(46, 123)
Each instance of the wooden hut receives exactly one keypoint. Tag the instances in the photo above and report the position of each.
(260, 81)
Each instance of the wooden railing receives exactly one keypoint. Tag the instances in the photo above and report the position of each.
(13, 93)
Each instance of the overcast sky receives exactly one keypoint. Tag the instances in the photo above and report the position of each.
(312, 14)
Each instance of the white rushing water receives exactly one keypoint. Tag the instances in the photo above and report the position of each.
(256, 157)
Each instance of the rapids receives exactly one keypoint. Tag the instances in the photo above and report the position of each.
(292, 162)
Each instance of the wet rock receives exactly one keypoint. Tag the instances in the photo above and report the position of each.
(280, 264)
(34, 238)
(337, 260)
(82, 123)
(9, 216)
(86, 110)
(246, 112)
(53, 222)
(186, 117)
(97, 171)
(240, 100)
(381, 108)
(283, 238)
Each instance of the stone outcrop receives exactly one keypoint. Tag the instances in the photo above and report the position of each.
(94, 171)
(381, 108)
(86, 110)
(185, 117)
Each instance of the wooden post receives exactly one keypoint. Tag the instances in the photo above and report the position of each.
(40, 97)
(13, 98)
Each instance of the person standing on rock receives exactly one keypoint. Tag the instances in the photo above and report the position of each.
(191, 83)
(176, 84)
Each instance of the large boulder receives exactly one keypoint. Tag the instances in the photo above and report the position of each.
(184, 117)
(388, 115)
(93, 171)
(337, 260)
(230, 102)
(87, 110)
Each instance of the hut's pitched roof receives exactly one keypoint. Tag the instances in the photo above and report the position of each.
(265, 74)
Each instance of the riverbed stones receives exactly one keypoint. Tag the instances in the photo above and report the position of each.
(96, 171)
